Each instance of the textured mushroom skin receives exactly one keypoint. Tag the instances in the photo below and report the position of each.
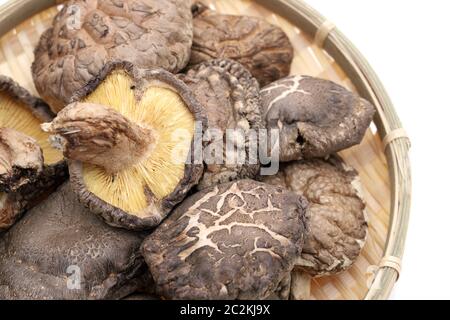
(87, 34)
(193, 171)
(316, 117)
(60, 233)
(264, 49)
(230, 97)
(233, 241)
(338, 221)
(21, 160)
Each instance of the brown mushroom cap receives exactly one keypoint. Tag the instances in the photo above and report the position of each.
(87, 34)
(29, 167)
(315, 117)
(129, 138)
(230, 96)
(264, 49)
(338, 221)
(42, 253)
(237, 240)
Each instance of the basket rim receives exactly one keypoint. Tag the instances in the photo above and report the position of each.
(367, 84)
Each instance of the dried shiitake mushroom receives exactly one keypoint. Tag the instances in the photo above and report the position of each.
(59, 250)
(128, 138)
(338, 221)
(230, 96)
(237, 240)
(87, 34)
(315, 117)
(264, 49)
(29, 166)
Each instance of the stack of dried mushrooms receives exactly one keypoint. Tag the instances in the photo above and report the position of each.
(142, 217)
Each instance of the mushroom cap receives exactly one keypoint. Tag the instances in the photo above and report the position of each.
(157, 204)
(38, 108)
(230, 96)
(58, 238)
(237, 240)
(338, 221)
(87, 34)
(315, 117)
(29, 167)
(21, 111)
(264, 49)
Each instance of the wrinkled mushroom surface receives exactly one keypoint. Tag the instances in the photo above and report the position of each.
(236, 240)
(59, 250)
(87, 34)
(29, 167)
(315, 117)
(338, 221)
(264, 49)
(128, 138)
(230, 96)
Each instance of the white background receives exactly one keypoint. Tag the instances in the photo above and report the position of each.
(407, 43)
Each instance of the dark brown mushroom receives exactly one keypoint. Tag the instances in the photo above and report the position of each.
(59, 250)
(141, 297)
(338, 221)
(230, 96)
(264, 49)
(315, 117)
(129, 138)
(87, 34)
(237, 240)
(29, 167)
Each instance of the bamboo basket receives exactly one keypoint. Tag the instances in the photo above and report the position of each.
(321, 50)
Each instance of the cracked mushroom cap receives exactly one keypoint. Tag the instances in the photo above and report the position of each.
(237, 240)
(230, 96)
(59, 250)
(87, 34)
(315, 117)
(338, 221)
(264, 49)
(128, 138)
(29, 166)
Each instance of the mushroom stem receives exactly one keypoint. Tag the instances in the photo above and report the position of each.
(98, 135)
(21, 160)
